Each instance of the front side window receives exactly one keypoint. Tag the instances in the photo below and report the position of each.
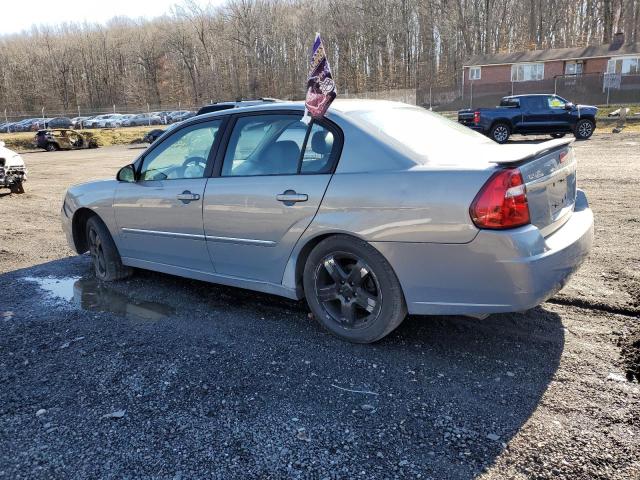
(475, 73)
(526, 72)
(183, 155)
(277, 145)
(556, 102)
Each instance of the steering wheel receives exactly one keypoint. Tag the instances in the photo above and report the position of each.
(194, 162)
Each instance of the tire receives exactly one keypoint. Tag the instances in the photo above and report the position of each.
(17, 188)
(500, 132)
(584, 129)
(52, 147)
(557, 135)
(104, 254)
(355, 307)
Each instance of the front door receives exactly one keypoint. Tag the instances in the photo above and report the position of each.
(273, 177)
(159, 217)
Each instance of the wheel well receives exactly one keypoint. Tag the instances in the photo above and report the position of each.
(304, 254)
(503, 121)
(79, 228)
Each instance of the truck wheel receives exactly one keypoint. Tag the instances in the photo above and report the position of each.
(557, 135)
(17, 188)
(500, 132)
(584, 129)
(104, 254)
(52, 147)
(352, 290)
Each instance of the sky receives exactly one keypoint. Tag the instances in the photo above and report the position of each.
(19, 15)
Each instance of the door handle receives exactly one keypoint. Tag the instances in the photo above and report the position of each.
(187, 196)
(289, 197)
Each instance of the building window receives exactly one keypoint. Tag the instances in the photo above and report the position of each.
(624, 65)
(475, 73)
(573, 68)
(526, 72)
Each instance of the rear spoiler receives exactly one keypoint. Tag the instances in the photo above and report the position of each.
(510, 153)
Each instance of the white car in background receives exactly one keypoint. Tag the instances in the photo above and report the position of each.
(13, 172)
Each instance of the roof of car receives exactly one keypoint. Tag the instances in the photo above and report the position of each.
(345, 106)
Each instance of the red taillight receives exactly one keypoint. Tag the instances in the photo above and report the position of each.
(476, 117)
(563, 155)
(502, 201)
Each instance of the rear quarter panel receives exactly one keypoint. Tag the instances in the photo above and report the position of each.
(408, 206)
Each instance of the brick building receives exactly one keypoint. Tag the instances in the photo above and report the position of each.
(538, 71)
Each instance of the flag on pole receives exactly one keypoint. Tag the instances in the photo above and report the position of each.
(321, 89)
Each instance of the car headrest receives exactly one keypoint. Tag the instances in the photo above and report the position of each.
(282, 157)
(322, 142)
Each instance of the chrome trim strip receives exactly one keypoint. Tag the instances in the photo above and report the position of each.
(246, 241)
(163, 234)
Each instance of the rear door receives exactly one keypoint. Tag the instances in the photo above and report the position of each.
(268, 187)
(159, 217)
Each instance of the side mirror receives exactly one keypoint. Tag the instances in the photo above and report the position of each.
(126, 174)
(569, 106)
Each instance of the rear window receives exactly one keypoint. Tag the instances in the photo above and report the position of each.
(419, 129)
(510, 102)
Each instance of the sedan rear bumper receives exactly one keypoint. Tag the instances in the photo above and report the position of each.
(498, 271)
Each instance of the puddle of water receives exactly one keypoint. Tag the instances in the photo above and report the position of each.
(88, 294)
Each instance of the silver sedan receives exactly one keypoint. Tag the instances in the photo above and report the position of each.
(379, 210)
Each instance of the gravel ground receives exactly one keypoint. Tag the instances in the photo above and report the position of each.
(163, 377)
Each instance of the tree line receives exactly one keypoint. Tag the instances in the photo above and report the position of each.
(253, 48)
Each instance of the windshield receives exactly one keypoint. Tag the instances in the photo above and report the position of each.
(418, 129)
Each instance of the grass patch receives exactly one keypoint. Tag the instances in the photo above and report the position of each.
(21, 141)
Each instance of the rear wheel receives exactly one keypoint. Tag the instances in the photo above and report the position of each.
(584, 129)
(500, 132)
(352, 290)
(104, 254)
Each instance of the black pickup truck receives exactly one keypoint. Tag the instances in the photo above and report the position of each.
(538, 114)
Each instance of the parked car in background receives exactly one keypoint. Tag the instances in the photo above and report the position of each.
(76, 122)
(13, 172)
(180, 115)
(64, 139)
(163, 115)
(116, 120)
(142, 119)
(458, 226)
(539, 114)
(59, 122)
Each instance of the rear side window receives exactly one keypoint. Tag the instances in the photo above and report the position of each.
(510, 102)
(277, 145)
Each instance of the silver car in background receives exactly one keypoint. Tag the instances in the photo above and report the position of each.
(379, 210)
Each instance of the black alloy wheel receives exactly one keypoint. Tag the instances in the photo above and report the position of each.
(348, 290)
(97, 252)
(352, 289)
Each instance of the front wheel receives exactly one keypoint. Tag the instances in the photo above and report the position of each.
(104, 254)
(352, 290)
(500, 132)
(17, 188)
(584, 129)
(52, 147)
